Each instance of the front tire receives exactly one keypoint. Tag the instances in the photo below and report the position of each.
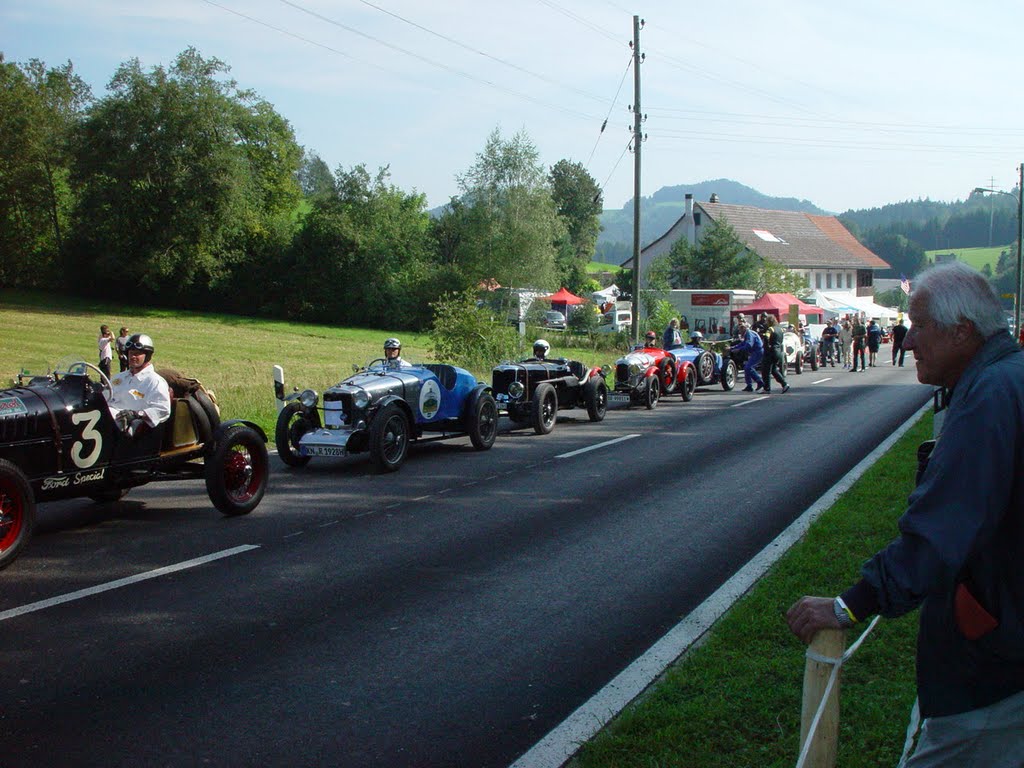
(814, 360)
(292, 423)
(237, 471)
(389, 438)
(705, 365)
(17, 512)
(653, 393)
(729, 375)
(483, 422)
(689, 384)
(595, 395)
(799, 363)
(544, 409)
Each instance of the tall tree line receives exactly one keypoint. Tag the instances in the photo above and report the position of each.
(180, 188)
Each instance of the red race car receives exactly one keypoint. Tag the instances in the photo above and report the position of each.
(647, 373)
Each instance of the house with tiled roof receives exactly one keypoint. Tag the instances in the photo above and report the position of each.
(819, 248)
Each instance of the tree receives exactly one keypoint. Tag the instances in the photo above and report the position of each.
(719, 260)
(579, 202)
(509, 226)
(38, 108)
(773, 277)
(181, 177)
(315, 178)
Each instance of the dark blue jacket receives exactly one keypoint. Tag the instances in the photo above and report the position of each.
(964, 525)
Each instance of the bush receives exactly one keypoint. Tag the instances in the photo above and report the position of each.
(463, 334)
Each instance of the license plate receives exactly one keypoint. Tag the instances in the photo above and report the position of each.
(324, 450)
(615, 397)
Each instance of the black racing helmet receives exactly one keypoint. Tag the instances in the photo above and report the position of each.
(540, 348)
(140, 341)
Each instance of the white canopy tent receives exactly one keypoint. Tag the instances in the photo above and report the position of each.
(839, 303)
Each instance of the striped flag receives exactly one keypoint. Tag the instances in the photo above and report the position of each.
(905, 284)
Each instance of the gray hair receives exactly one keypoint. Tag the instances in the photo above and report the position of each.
(955, 292)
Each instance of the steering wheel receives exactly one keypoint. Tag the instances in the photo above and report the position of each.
(79, 368)
(383, 363)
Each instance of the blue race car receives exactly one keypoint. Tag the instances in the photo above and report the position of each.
(380, 409)
(711, 367)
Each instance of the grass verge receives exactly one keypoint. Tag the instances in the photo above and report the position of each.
(735, 700)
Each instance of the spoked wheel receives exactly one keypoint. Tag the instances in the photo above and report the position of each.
(483, 422)
(729, 375)
(653, 393)
(17, 512)
(667, 375)
(689, 384)
(595, 394)
(705, 365)
(389, 438)
(292, 423)
(237, 470)
(544, 409)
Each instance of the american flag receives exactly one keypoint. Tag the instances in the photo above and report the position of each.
(905, 284)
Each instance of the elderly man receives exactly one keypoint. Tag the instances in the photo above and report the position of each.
(961, 538)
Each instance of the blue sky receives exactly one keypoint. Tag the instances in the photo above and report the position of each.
(849, 105)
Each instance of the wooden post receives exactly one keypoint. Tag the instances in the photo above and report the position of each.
(830, 643)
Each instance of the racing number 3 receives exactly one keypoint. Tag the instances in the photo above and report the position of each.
(89, 435)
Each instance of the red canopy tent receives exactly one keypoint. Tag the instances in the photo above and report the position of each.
(777, 304)
(564, 297)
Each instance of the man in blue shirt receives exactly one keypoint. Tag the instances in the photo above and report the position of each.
(750, 343)
(961, 539)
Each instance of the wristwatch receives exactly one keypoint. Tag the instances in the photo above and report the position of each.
(842, 616)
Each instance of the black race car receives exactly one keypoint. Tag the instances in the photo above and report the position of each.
(533, 391)
(58, 441)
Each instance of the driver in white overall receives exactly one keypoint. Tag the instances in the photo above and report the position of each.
(139, 396)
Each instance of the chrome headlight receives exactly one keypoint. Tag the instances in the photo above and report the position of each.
(360, 399)
(516, 390)
(634, 369)
(308, 397)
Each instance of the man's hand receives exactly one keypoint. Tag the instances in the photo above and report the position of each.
(808, 615)
(125, 418)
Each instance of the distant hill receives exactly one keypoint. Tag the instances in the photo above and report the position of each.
(662, 209)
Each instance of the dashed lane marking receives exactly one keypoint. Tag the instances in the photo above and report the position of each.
(605, 444)
(748, 402)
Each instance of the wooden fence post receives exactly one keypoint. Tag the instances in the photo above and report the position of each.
(829, 643)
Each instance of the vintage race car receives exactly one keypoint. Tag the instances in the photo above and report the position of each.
(58, 440)
(646, 373)
(535, 390)
(710, 367)
(380, 409)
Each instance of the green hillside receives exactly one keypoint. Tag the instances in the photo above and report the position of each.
(975, 257)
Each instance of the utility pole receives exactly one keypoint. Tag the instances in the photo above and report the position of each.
(637, 141)
(1020, 244)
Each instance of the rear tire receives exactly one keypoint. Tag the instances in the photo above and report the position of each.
(17, 512)
(667, 375)
(237, 471)
(544, 409)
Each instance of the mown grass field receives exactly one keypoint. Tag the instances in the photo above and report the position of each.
(975, 257)
(735, 700)
(232, 355)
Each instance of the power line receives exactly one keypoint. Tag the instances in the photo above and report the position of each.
(604, 125)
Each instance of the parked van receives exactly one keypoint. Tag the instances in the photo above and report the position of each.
(615, 321)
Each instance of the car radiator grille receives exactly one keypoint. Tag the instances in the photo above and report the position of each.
(346, 405)
(501, 379)
(15, 427)
(622, 373)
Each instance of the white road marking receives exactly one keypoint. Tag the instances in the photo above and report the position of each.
(89, 591)
(822, 381)
(748, 402)
(595, 447)
(565, 739)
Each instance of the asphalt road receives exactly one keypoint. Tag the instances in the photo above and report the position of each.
(449, 614)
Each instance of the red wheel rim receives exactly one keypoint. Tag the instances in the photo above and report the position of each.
(243, 473)
(12, 516)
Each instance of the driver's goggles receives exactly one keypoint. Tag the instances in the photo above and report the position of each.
(134, 345)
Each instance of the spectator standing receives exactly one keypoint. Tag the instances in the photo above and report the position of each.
(961, 538)
(751, 344)
(122, 356)
(829, 337)
(899, 333)
(105, 342)
(775, 355)
(671, 338)
(859, 342)
(846, 342)
(874, 341)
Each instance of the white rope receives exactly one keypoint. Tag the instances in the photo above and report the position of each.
(836, 665)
